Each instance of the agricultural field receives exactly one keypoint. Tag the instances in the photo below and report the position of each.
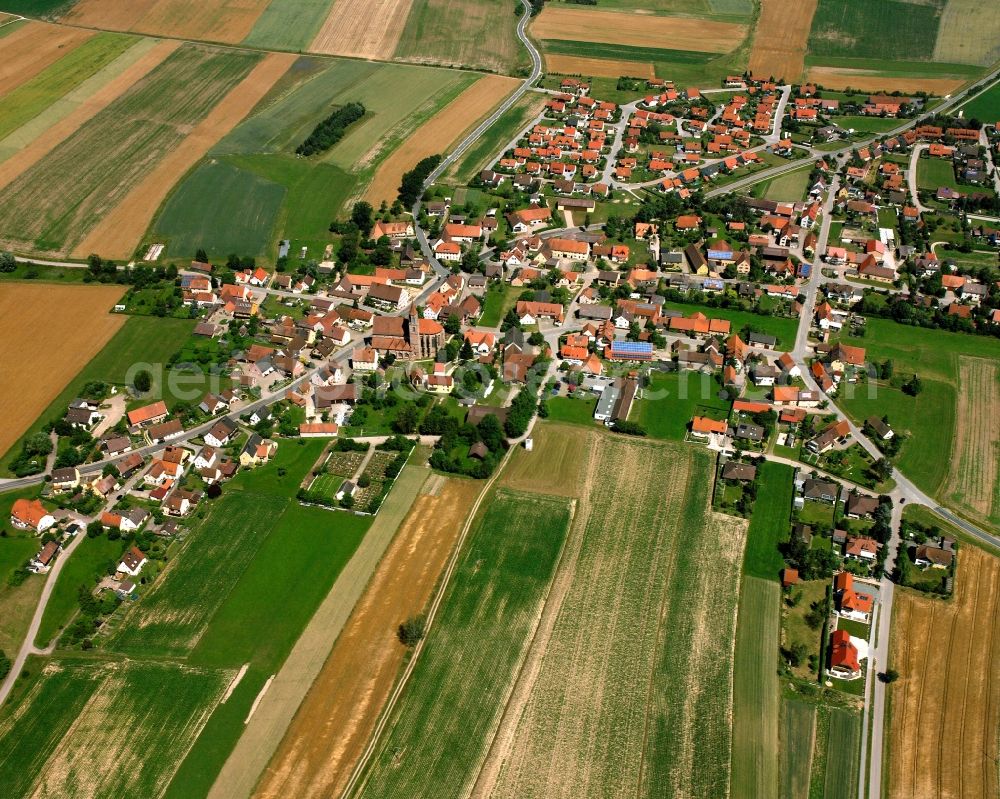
(629, 599)
(842, 754)
(480, 155)
(328, 734)
(61, 201)
(228, 23)
(948, 697)
(969, 33)
(82, 720)
(31, 48)
(607, 43)
(672, 398)
(140, 340)
(780, 39)
(558, 461)
(847, 28)
(479, 34)
(573, 410)
(972, 481)
(57, 342)
(280, 195)
(798, 730)
(465, 670)
(288, 24)
(362, 29)
(756, 702)
(439, 133)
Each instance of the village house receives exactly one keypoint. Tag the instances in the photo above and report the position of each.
(132, 562)
(31, 514)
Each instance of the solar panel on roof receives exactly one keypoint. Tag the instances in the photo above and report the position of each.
(632, 346)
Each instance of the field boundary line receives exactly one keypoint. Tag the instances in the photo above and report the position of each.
(355, 782)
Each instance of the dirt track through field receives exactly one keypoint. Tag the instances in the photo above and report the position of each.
(120, 232)
(438, 133)
(779, 43)
(597, 67)
(635, 30)
(975, 457)
(24, 159)
(228, 22)
(30, 49)
(336, 718)
(362, 28)
(835, 78)
(49, 333)
(946, 705)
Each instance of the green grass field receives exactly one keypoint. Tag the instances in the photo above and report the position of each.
(572, 410)
(755, 690)
(31, 98)
(783, 328)
(798, 720)
(142, 339)
(933, 173)
(842, 757)
(256, 555)
(770, 522)
(288, 24)
(498, 300)
(790, 187)
(88, 562)
(63, 196)
(855, 27)
(865, 124)
(120, 712)
(222, 209)
(672, 398)
(624, 52)
(468, 663)
(986, 107)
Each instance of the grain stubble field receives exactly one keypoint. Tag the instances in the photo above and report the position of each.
(31, 48)
(39, 358)
(338, 715)
(947, 701)
(362, 28)
(779, 45)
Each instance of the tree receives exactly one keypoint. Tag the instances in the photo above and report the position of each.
(213, 491)
(7, 262)
(889, 676)
(466, 353)
(95, 529)
(201, 256)
(347, 501)
(490, 433)
(411, 631)
(362, 216)
(37, 444)
(913, 386)
(882, 469)
(406, 418)
(536, 339)
(143, 381)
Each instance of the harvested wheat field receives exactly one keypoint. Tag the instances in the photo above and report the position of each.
(866, 80)
(779, 43)
(945, 707)
(336, 718)
(33, 47)
(627, 686)
(975, 457)
(556, 465)
(615, 27)
(39, 359)
(597, 67)
(439, 133)
(362, 28)
(39, 147)
(228, 22)
(119, 232)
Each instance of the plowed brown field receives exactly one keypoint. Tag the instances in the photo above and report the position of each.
(362, 28)
(946, 705)
(28, 50)
(49, 333)
(438, 133)
(27, 157)
(597, 67)
(336, 719)
(120, 232)
(637, 30)
(779, 44)
(868, 81)
(228, 22)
